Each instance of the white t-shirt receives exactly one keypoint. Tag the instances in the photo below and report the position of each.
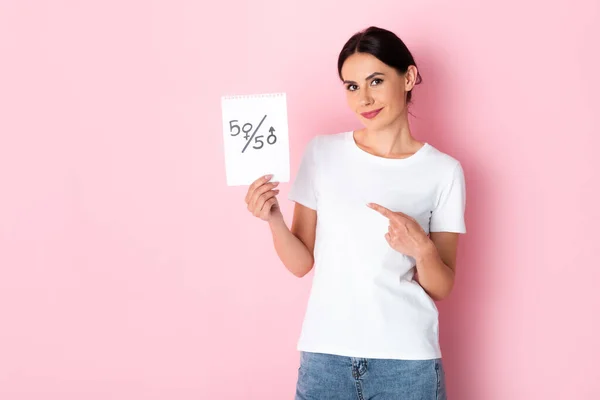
(364, 301)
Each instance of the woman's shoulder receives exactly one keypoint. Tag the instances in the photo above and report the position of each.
(441, 158)
(330, 137)
(324, 142)
(445, 167)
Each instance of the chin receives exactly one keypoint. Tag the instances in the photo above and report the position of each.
(375, 123)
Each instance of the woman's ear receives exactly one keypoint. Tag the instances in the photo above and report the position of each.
(410, 78)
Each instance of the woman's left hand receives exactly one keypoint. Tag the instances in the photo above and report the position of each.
(404, 235)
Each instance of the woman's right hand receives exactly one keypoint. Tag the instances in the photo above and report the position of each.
(261, 198)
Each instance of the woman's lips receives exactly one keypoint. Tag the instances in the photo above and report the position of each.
(371, 114)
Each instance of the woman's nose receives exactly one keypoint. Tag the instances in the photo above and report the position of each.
(365, 98)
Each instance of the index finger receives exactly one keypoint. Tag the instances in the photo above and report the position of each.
(403, 215)
(381, 209)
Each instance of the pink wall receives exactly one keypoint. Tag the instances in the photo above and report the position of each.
(128, 270)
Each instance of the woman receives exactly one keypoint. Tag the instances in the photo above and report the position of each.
(378, 213)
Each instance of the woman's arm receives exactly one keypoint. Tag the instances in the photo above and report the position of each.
(435, 254)
(436, 264)
(295, 246)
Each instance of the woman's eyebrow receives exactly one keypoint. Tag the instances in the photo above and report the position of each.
(368, 77)
(373, 74)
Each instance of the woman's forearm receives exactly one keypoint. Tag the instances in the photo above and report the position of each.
(294, 254)
(434, 275)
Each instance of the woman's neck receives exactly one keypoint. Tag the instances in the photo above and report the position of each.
(392, 141)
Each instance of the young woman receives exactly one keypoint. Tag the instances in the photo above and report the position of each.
(378, 214)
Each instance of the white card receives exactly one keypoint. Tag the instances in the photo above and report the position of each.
(255, 134)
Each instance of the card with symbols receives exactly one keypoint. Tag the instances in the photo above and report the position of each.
(255, 134)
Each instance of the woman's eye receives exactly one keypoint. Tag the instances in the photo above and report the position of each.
(352, 88)
(376, 82)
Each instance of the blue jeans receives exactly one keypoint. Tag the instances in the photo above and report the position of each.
(332, 377)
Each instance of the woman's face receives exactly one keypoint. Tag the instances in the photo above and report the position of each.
(375, 91)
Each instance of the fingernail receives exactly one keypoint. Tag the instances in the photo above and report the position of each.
(267, 177)
(275, 183)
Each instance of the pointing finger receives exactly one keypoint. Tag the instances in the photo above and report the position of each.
(381, 209)
(406, 216)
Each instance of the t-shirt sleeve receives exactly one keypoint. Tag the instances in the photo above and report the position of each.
(303, 189)
(448, 213)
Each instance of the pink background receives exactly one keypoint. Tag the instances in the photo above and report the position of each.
(129, 270)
